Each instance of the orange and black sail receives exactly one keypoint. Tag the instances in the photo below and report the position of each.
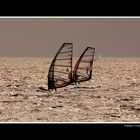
(83, 68)
(60, 71)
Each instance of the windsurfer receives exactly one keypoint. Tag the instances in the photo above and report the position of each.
(51, 85)
(75, 77)
(89, 72)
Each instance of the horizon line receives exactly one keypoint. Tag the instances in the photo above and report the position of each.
(86, 17)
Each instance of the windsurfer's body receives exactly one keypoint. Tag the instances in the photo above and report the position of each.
(51, 85)
(73, 77)
(89, 72)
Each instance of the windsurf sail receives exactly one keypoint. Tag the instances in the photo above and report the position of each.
(83, 68)
(60, 71)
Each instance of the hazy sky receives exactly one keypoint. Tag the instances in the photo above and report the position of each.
(43, 37)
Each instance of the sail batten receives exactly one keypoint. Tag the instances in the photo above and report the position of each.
(65, 52)
(61, 72)
(62, 66)
(63, 59)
